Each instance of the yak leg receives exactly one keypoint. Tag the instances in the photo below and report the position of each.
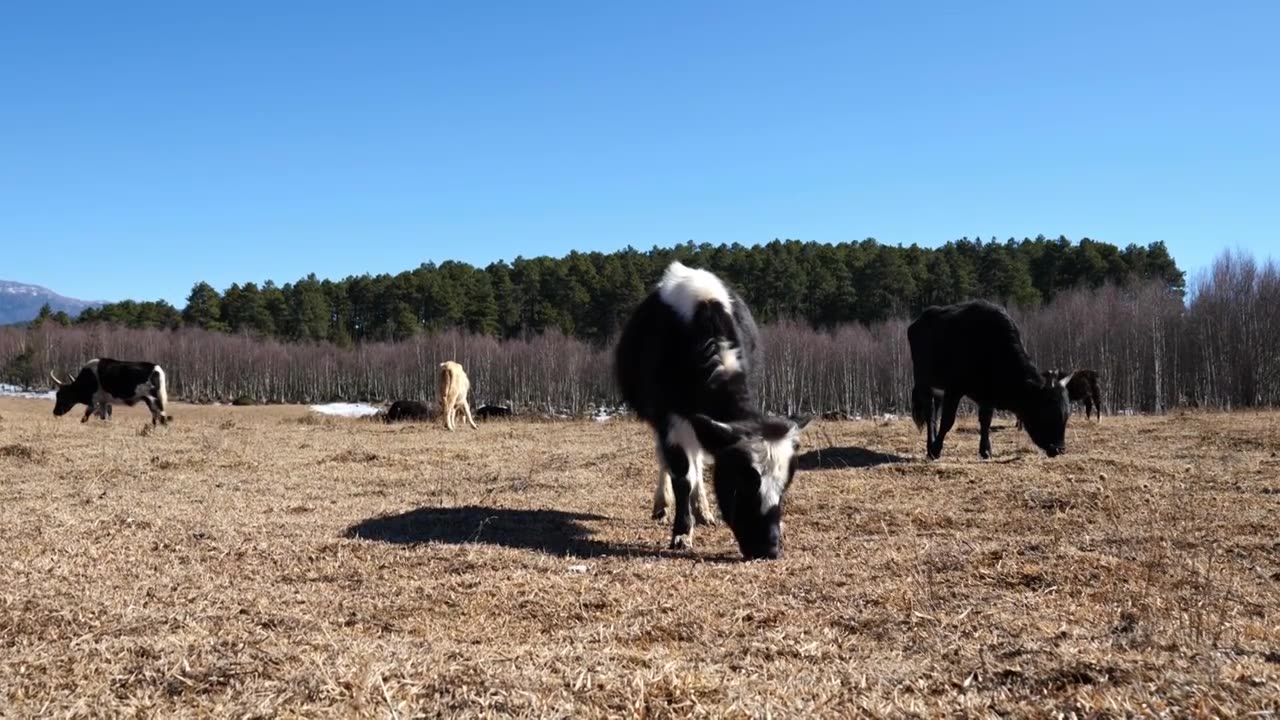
(931, 425)
(678, 464)
(662, 494)
(984, 425)
(950, 402)
(923, 403)
(156, 405)
(931, 434)
(662, 497)
(701, 506)
(156, 415)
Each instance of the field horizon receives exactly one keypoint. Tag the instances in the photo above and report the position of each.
(267, 561)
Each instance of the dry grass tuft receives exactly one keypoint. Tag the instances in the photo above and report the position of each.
(21, 452)
(355, 456)
(315, 419)
(266, 561)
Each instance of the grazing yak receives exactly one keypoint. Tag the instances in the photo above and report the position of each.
(452, 388)
(685, 364)
(1082, 387)
(406, 411)
(488, 412)
(104, 381)
(974, 349)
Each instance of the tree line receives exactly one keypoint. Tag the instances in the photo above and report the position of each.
(1216, 345)
(588, 296)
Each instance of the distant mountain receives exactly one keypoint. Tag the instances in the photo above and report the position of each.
(20, 303)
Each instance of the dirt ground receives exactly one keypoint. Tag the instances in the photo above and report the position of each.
(262, 562)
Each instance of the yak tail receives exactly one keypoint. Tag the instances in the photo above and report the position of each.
(162, 389)
(921, 405)
(1097, 396)
(444, 381)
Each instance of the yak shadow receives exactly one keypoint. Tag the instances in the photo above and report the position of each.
(553, 532)
(842, 458)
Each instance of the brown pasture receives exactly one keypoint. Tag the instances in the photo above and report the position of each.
(263, 562)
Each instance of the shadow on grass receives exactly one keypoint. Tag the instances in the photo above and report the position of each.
(840, 458)
(554, 532)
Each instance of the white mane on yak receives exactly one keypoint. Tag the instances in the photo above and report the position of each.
(682, 288)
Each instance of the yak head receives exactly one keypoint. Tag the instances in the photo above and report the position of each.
(1045, 411)
(69, 393)
(755, 461)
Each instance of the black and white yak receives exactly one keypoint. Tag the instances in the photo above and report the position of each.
(974, 349)
(684, 363)
(489, 412)
(104, 381)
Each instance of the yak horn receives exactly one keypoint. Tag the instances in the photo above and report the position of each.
(56, 381)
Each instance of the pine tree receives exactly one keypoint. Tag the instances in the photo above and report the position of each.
(204, 308)
(590, 295)
(45, 315)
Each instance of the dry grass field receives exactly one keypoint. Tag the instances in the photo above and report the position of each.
(261, 562)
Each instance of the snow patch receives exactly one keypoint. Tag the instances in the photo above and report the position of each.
(15, 391)
(350, 410)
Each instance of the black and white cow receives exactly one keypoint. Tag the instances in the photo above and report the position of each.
(974, 349)
(103, 381)
(684, 363)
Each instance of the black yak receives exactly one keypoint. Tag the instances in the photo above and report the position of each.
(974, 349)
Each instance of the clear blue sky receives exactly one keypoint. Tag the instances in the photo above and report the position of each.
(145, 146)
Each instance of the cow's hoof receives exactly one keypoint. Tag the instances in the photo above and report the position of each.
(681, 542)
(659, 513)
(984, 454)
(702, 519)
